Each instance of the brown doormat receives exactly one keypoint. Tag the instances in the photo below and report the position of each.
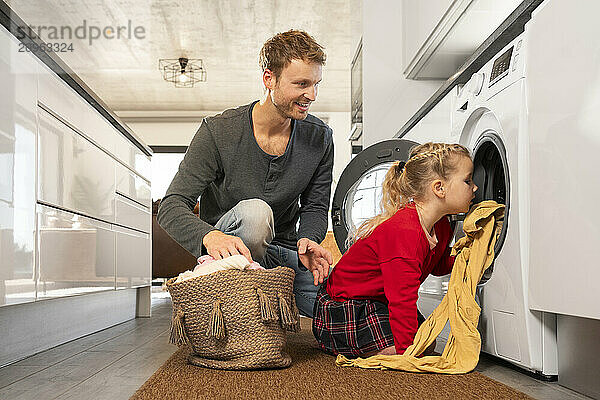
(313, 375)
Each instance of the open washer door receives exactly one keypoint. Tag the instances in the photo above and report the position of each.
(358, 192)
(491, 175)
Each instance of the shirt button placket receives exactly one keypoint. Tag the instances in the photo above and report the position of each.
(270, 177)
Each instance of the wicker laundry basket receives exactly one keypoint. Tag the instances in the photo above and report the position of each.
(235, 319)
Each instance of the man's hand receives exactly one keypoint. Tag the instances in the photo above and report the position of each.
(315, 258)
(219, 245)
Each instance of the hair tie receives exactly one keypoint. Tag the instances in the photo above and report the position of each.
(400, 167)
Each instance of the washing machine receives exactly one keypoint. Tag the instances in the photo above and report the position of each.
(489, 116)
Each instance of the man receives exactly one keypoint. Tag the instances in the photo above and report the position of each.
(260, 169)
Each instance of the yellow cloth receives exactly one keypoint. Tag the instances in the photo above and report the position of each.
(461, 354)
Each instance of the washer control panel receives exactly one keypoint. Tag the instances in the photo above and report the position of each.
(501, 66)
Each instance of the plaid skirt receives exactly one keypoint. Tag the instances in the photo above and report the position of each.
(351, 327)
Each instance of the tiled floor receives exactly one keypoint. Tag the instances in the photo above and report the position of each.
(113, 363)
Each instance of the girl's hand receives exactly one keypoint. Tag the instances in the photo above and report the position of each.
(315, 258)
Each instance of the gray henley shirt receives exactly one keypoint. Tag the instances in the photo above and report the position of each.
(224, 165)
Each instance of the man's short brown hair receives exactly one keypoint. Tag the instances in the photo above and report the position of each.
(284, 47)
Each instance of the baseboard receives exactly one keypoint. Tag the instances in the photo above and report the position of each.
(30, 328)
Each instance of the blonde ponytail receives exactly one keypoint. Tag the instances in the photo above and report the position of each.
(405, 182)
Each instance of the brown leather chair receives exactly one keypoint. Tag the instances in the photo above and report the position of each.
(169, 259)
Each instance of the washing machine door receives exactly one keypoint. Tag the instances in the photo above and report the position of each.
(358, 192)
(491, 175)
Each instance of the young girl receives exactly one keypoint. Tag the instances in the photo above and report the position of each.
(368, 305)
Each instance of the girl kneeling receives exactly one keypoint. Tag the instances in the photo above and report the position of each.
(368, 305)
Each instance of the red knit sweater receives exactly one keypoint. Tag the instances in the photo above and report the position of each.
(390, 265)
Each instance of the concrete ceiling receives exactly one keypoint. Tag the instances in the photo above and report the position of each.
(226, 35)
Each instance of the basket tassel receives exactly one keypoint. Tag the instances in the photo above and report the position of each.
(216, 325)
(178, 335)
(267, 312)
(287, 319)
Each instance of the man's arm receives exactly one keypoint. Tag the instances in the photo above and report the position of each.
(314, 200)
(200, 166)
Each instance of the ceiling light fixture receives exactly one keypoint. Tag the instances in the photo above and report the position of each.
(183, 72)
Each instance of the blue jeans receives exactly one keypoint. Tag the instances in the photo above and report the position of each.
(252, 221)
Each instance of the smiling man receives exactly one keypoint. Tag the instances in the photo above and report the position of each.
(263, 174)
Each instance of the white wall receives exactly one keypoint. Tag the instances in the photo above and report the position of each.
(389, 100)
(340, 123)
(436, 125)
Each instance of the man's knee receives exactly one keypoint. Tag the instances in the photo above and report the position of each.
(256, 224)
(255, 214)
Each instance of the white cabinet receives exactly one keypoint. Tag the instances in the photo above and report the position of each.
(73, 189)
(74, 173)
(76, 254)
(134, 261)
(62, 100)
(132, 214)
(133, 157)
(58, 190)
(56, 96)
(420, 19)
(17, 172)
(133, 186)
(438, 36)
(563, 131)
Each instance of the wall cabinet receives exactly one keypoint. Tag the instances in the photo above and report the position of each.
(438, 36)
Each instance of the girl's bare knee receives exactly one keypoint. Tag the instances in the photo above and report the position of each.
(388, 351)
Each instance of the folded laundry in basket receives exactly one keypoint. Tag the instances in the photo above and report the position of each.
(204, 260)
(210, 265)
